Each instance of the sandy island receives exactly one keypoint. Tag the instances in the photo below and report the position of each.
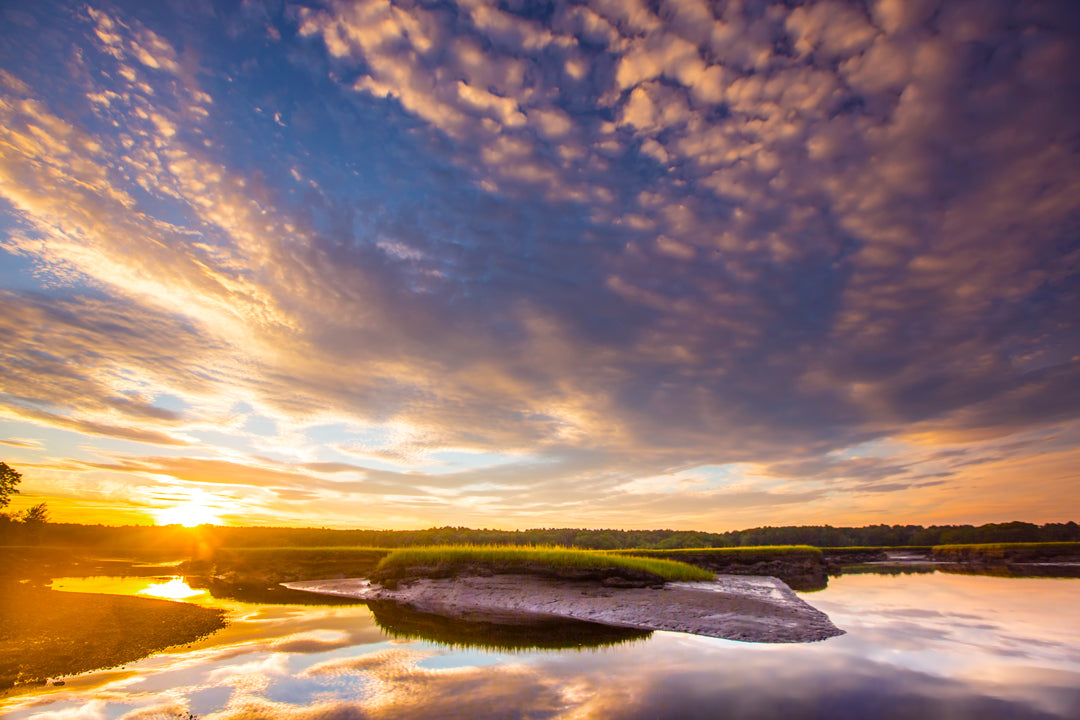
(733, 607)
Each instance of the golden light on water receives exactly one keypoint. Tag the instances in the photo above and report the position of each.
(174, 589)
(188, 514)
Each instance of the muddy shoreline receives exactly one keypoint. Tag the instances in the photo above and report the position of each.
(49, 634)
(733, 607)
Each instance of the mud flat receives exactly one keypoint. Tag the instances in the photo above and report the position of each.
(733, 607)
(49, 634)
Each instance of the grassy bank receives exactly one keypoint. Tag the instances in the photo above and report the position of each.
(800, 566)
(46, 634)
(452, 560)
(741, 555)
(1009, 552)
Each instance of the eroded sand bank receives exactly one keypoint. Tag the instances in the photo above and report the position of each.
(733, 607)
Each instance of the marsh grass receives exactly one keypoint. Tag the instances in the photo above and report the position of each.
(1067, 546)
(1008, 552)
(865, 548)
(444, 560)
(742, 555)
(800, 566)
(839, 554)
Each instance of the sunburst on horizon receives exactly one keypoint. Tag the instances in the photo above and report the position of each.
(188, 514)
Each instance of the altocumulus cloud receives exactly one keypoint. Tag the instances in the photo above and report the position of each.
(585, 244)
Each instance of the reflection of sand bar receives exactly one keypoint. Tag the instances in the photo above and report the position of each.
(734, 607)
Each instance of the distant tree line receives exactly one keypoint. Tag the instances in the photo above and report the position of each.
(176, 539)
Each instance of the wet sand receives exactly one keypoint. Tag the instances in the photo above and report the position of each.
(49, 634)
(733, 607)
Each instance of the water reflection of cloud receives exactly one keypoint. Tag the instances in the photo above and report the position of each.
(932, 646)
(385, 664)
(251, 675)
(314, 642)
(663, 678)
(977, 619)
(850, 691)
(676, 680)
(156, 712)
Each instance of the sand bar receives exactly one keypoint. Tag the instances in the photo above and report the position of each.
(733, 607)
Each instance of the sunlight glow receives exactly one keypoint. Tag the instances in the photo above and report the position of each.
(175, 589)
(188, 514)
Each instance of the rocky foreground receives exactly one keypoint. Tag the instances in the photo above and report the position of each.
(733, 607)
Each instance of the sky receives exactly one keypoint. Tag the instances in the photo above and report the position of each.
(601, 263)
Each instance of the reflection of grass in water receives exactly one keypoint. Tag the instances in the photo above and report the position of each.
(876, 569)
(447, 560)
(520, 633)
(44, 633)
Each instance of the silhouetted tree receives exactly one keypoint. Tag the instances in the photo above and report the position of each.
(35, 515)
(9, 478)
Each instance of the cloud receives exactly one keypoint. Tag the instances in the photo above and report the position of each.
(616, 239)
(95, 366)
(21, 443)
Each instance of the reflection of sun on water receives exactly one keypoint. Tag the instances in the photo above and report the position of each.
(187, 514)
(175, 589)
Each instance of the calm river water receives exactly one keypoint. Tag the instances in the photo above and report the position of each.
(917, 646)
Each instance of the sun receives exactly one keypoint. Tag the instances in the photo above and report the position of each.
(188, 514)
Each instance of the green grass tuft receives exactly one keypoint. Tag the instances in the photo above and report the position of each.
(510, 558)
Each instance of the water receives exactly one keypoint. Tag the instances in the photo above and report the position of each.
(918, 646)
